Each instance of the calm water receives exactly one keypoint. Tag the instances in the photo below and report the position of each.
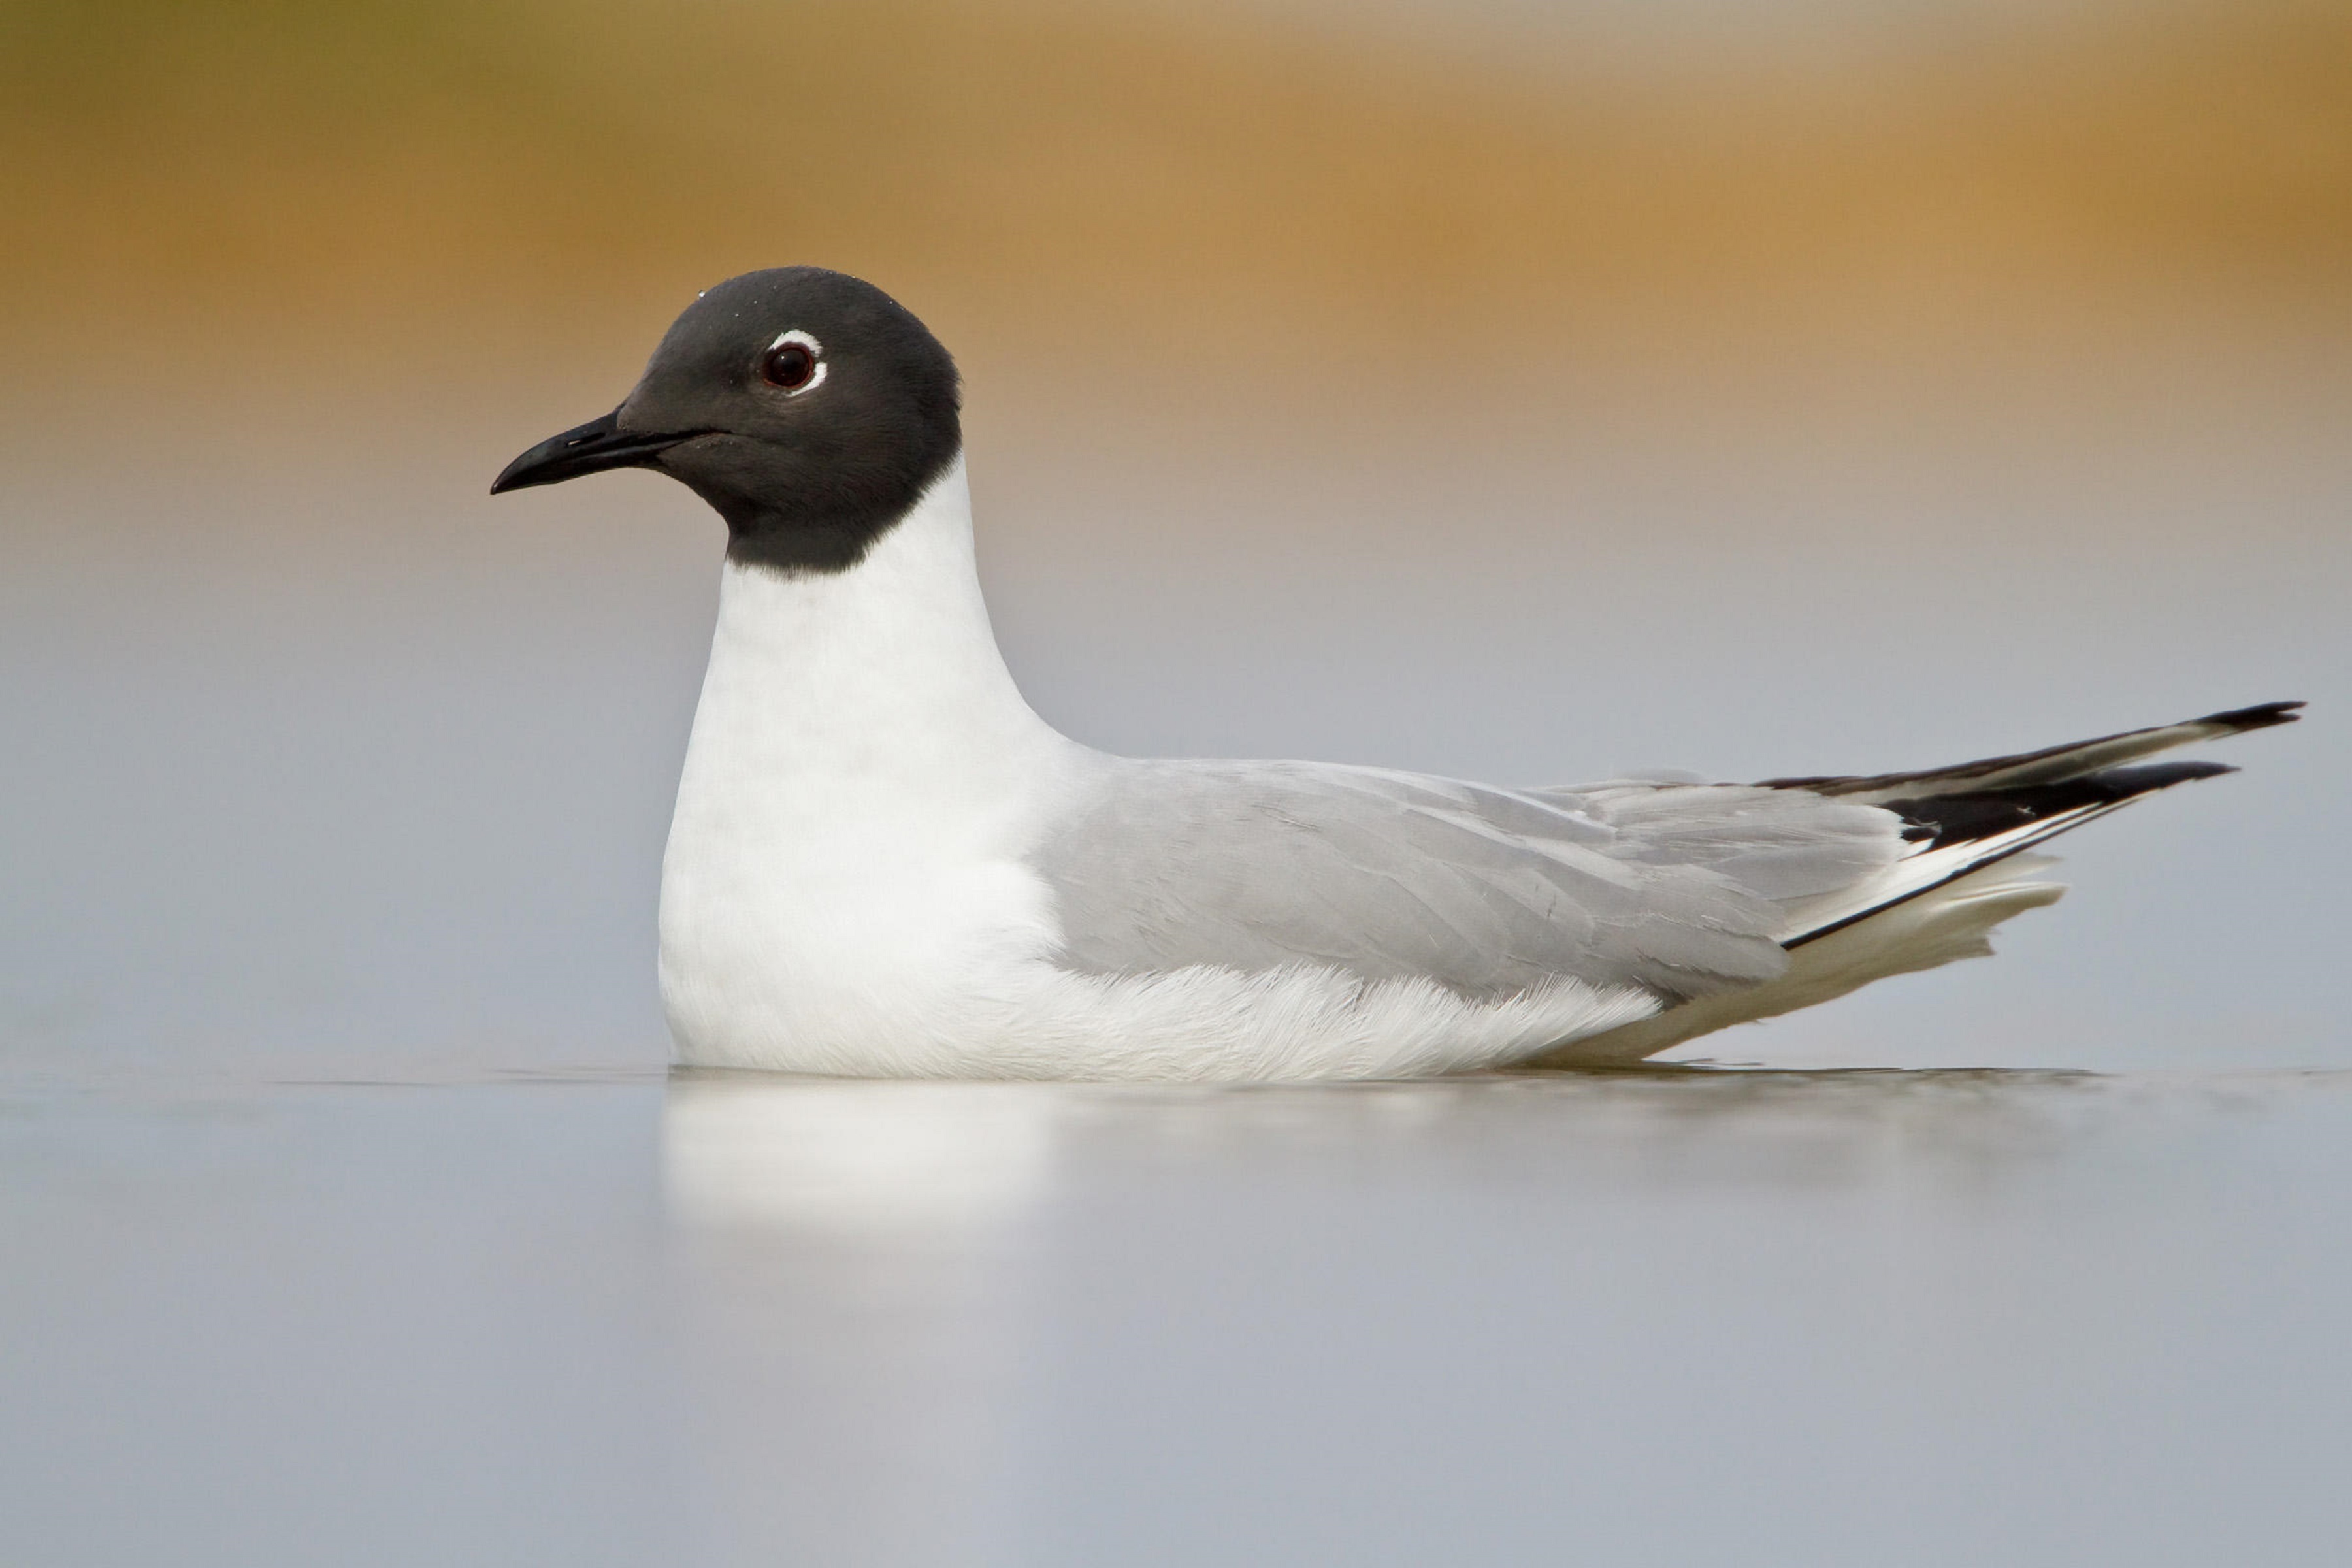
(1689, 1318)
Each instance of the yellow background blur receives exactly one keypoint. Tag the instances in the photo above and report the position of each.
(247, 185)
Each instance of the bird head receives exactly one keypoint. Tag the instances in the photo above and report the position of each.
(809, 408)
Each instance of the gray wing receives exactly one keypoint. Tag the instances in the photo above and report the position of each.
(1683, 890)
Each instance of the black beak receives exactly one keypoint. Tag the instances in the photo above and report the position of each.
(592, 448)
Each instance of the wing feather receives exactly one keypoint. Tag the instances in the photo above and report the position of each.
(1674, 890)
(1683, 890)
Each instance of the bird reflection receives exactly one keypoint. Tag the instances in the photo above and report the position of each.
(896, 1294)
(850, 1253)
(847, 1159)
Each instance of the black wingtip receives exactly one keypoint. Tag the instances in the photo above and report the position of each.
(1964, 819)
(2261, 716)
(2123, 784)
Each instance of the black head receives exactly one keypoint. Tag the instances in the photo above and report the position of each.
(810, 409)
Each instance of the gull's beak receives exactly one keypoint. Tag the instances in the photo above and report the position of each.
(591, 449)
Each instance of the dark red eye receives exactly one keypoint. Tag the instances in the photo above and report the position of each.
(791, 366)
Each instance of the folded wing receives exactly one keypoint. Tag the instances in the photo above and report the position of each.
(1690, 893)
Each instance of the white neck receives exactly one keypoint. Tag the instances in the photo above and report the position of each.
(861, 787)
(830, 683)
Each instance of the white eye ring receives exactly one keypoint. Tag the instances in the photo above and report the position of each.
(796, 338)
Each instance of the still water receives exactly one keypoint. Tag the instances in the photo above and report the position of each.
(1686, 1317)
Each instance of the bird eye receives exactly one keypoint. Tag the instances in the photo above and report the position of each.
(794, 363)
(789, 367)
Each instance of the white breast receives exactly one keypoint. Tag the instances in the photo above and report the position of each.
(844, 871)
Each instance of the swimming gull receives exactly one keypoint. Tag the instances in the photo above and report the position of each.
(884, 863)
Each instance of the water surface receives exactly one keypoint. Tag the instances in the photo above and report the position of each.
(1698, 1317)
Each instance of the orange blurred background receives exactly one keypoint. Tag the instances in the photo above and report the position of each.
(1531, 391)
(1156, 185)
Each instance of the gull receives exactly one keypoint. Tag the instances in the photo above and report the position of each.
(883, 863)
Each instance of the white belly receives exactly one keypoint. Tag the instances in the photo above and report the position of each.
(977, 1007)
(835, 961)
(826, 956)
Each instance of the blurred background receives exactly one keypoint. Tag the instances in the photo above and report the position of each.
(1529, 391)
(1524, 390)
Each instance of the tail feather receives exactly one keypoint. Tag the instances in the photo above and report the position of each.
(2052, 764)
(1961, 818)
(1965, 872)
(1949, 923)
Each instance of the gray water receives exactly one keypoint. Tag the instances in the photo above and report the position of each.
(1699, 1318)
(348, 1215)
